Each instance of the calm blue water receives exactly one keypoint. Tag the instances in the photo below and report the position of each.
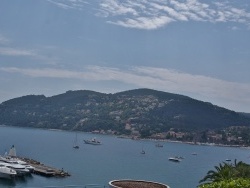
(116, 159)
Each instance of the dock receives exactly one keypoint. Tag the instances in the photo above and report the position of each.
(44, 170)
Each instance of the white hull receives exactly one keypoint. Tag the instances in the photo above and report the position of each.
(7, 173)
(15, 161)
(90, 142)
(19, 169)
(93, 142)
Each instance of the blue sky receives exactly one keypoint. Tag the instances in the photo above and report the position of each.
(197, 48)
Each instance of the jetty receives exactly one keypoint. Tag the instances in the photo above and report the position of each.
(44, 170)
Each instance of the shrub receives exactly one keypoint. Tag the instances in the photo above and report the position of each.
(233, 183)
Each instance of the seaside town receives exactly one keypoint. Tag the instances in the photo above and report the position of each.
(237, 136)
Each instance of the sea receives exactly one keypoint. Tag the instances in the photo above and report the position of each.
(116, 158)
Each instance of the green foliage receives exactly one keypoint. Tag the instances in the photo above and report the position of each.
(145, 133)
(231, 183)
(228, 175)
(147, 111)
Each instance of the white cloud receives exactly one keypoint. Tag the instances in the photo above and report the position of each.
(15, 52)
(34, 54)
(116, 8)
(202, 85)
(170, 11)
(46, 73)
(138, 13)
(69, 4)
(144, 22)
(127, 13)
(156, 78)
(234, 28)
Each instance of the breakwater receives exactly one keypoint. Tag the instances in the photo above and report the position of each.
(44, 170)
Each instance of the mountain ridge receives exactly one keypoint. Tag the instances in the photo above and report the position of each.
(120, 113)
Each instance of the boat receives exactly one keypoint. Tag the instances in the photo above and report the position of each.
(159, 145)
(7, 173)
(174, 159)
(93, 141)
(20, 169)
(75, 144)
(228, 160)
(143, 152)
(12, 160)
(26, 165)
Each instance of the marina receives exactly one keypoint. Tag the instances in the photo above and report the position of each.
(32, 166)
(115, 159)
(12, 166)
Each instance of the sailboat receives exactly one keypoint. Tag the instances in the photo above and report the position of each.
(75, 144)
(142, 151)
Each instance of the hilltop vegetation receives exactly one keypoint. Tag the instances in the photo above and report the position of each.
(141, 112)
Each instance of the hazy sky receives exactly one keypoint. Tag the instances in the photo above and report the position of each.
(198, 48)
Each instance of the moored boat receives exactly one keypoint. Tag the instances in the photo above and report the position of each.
(143, 152)
(13, 160)
(75, 144)
(6, 172)
(159, 145)
(174, 159)
(93, 141)
(20, 169)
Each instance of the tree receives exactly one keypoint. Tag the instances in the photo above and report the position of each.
(145, 133)
(226, 172)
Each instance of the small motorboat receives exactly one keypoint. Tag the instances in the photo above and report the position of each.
(143, 152)
(174, 159)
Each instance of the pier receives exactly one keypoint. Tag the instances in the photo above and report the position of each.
(44, 170)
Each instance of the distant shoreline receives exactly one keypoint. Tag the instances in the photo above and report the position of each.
(131, 137)
(183, 142)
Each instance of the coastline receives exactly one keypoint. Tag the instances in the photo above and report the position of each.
(185, 142)
(136, 138)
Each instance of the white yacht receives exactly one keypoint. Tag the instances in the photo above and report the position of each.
(6, 172)
(20, 169)
(174, 159)
(12, 160)
(93, 141)
(29, 167)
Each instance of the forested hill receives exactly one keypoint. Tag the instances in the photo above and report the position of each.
(134, 110)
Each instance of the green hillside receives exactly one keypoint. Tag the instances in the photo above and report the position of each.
(141, 110)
